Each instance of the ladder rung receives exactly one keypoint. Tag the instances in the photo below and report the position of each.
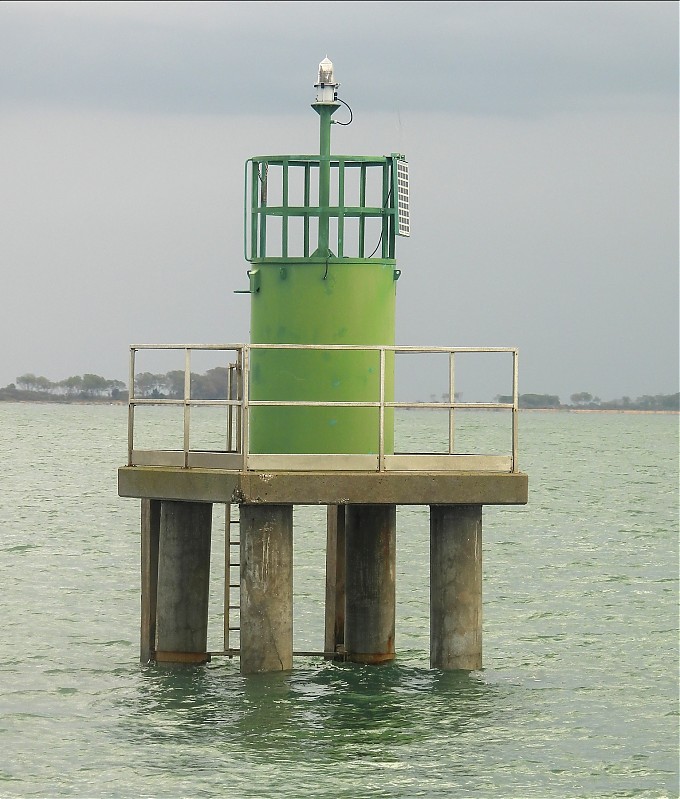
(234, 585)
(235, 543)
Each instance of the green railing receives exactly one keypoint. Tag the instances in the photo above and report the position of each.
(314, 207)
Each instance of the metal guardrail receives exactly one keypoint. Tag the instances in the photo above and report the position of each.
(236, 454)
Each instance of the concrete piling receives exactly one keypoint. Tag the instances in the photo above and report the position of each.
(151, 525)
(266, 588)
(370, 551)
(456, 587)
(183, 582)
(334, 638)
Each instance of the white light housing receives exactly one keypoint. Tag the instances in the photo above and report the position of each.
(326, 87)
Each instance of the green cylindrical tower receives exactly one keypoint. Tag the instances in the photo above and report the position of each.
(320, 234)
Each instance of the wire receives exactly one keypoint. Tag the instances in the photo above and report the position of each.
(351, 115)
(387, 202)
(376, 246)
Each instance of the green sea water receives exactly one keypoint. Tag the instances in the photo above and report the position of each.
(578, 696)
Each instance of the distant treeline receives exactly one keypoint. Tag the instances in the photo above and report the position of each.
(213, 385)
(91, 387)
(585, 401)
(210, 385)
(78, 387)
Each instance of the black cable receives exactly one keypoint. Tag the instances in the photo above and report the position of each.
(387, 202)
(351, 115)
(376, 246)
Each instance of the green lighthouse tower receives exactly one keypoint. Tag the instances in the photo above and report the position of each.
(320, 238)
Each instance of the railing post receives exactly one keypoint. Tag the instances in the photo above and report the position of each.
(263, 168)
(381, 414)
(245, 413)
(187, 399)
(385, 220)
(230, 410)
(285, 217)
(254, 213)
(452, 395)
(362, 204)
(515, 408)
(239, 396)
(305, 240)
(341, 204)
(131, 407)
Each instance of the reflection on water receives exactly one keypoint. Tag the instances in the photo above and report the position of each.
(325, 711)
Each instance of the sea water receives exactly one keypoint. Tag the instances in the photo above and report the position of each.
(578, 696)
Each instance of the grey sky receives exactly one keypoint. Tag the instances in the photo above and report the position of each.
(542, 139)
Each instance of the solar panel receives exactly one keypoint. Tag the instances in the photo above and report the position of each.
(403, 215)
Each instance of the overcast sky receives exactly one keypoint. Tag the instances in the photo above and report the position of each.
(541, 136)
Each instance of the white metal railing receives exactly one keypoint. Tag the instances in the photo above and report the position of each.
(236, 453)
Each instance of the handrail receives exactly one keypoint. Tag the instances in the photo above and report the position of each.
(240, 397)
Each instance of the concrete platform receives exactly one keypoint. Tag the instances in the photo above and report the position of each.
(323, 488)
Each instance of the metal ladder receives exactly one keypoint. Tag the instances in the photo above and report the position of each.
(232, 583)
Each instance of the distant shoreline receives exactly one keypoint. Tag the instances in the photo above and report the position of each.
(596, 410)
(109, 401)
(102, 401)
